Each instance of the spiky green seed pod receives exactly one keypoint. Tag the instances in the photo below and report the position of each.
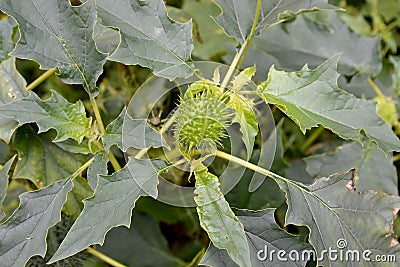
(200, 119)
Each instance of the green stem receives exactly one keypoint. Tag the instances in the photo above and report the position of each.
(97, 115)
(104, 258)
(114, 161)
(41, 79)
(258, 169)
(310, 140)
(233, 65)
(396, 157)
(164, 128)
(391, 26)
(110, 155)
(375, 87)
(82, 168)
(253, 28)
(247, 164)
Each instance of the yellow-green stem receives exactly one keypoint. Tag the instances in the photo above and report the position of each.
(104, 258)
(164, 128)
(253, 28)
(396, 157)
(110, 155)
(310, 140)
(82, 168)
(97, 115)
(246, 164)
(375, 87)
(41, 79)
(114, 161)
(258, 169)
(233, 65)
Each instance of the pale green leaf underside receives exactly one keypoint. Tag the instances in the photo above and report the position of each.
(24, 233)
(55, 34)
(245, 116)
(69, 120)
(218, 220)
(332, 210)
(238, 15)
(374, 169)
(126, 132)
(111, 205)
(312, 97)
(41, 161)
(261, 231)
(149, 37)
(4, 183)
(12, 87)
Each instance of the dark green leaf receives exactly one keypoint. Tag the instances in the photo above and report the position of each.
(126, 132)
(106, 39)
(40, 160)
(85, 147)
(374, 169)
(161, 44)
(111, 205)
(306, 42)
(81, 191)
(6, 32)
(24, 233)
(312, 97)
(4, 183)
(264, 235)
(12, 87)
(98, 166)
(212, 37)
(218, 220)
(69, 120)
(237, 15)
(334, 211)
(142, 245)
(57, 35)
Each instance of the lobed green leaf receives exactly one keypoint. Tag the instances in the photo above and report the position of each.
(40, 160)
(4, 183)
(12, 87)
(312, 98)
(69, 120)
(55, 34)
(6, 42)
(24, 233)
(218, 220)
(111, 205)
(148, 36)
(237, 16)
(375, 170)
(333, 211)
(263, 234)
(126, 132)
(305, 41)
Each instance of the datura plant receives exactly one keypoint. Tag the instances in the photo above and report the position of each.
(127, 141)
